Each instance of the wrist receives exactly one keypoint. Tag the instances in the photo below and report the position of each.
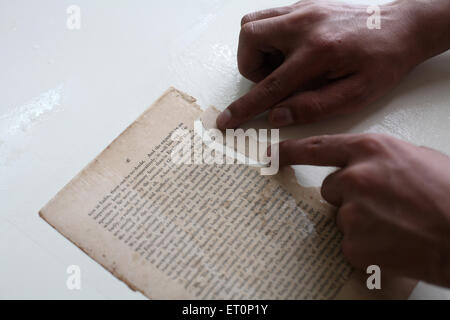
(428, 25)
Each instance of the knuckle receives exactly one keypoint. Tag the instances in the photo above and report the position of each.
(324, 43)
(316, 108)
(313, 108)
(272, 87)
(247, 68)
(316, 11)
(317, 142)
(247, 18)
(248, 30)
(290, 8)
(358, 179)
(314, 146)
(371, 143)
(243, 68)
(308, 12)
(353, 96)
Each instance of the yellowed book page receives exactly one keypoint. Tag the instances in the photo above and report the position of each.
(197, 231)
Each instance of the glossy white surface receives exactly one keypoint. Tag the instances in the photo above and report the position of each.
(67, 94)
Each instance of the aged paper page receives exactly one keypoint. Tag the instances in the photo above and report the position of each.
(197, 231)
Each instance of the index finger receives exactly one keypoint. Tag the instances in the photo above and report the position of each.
(277, 86)
(317, 151)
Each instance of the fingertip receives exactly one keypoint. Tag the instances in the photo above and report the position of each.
(281, 117)
(224, 119)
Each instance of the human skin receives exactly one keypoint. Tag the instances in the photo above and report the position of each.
(317, 59)
(393, 201)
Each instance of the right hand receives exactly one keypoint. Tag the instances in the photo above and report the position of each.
(392, 198)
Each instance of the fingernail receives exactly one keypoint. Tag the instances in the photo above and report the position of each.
(223, 119)
(282, 117)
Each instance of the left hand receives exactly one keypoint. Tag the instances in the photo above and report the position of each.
(393, 201)
(316, 59)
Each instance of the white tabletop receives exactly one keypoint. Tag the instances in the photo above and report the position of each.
(66, 94)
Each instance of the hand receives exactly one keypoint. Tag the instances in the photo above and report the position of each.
(393, 201)
(316, 59)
